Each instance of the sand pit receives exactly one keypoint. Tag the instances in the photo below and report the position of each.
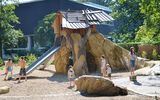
(49, 85)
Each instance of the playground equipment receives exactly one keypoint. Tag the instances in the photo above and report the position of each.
(76, 27)
(87, 45)
(39, 61)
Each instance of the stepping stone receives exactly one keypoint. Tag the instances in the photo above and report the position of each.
(4, 89)
(133, 78)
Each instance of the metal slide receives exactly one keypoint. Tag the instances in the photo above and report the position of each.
(39, 61)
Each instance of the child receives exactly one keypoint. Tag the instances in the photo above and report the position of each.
(22, 64)
(9, 68)
(108, 71)
(103, 68)
(71, 75)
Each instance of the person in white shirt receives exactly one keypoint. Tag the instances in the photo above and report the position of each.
(103, 66)
(108, 71)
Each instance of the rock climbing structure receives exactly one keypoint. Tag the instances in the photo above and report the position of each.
(81, 43)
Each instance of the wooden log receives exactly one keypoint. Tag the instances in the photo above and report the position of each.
(133, 78)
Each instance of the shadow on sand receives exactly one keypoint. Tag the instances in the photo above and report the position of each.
(58, 77)
(55, 77)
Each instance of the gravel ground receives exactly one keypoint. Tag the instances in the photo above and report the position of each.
(49, 85)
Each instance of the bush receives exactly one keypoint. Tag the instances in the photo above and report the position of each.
(144, 54)
(53, 63)
(129, 45)
(16, 59)
(159, 57)
(154, 54)
(148, 48)
(30, 59)
(2, 67)
(1, 62)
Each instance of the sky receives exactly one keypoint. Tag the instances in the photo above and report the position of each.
(24, 1)
(21, 1)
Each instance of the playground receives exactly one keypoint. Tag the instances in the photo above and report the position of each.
(50, 85)
(79, 53)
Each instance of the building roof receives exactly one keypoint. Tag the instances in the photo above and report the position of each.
(97, 6)
(30, 13)
(83, 18)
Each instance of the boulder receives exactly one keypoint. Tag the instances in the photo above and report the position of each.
(97, 85)
(4, 89)
(151, 69)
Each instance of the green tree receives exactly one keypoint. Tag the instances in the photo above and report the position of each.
(8, 34)
(127, 15)
(128, 18)
(150, 30)
(44, 33)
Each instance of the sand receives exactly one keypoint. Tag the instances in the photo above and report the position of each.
(49, 85)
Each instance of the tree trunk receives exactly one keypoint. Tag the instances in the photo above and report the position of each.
(79, 52)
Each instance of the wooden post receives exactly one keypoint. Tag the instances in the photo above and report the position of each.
(133, 78)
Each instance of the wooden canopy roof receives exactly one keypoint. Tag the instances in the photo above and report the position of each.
(83, 18)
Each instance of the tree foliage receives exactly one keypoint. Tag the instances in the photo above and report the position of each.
(8, 34)
(44, 33)
(128, 18)
(150, 30)
(135, 20)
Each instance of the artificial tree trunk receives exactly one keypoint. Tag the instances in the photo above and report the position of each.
(79, 52)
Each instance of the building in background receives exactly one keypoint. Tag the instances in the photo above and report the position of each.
(30, 13)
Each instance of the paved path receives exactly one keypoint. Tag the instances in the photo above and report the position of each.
(145, 85)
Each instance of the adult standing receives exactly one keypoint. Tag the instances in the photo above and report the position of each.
(132, 60)
(9, 67)
(103, 66)
(22, 64)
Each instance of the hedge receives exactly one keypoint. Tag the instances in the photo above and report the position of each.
(140, 46)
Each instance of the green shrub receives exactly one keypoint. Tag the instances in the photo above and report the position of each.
(1, 64)
(30, 58)
(159, 57)
(2, 67)
(1, 61)
(53, 63)
(154, 54)
(144, 54)
(16, 59)
(129, 45)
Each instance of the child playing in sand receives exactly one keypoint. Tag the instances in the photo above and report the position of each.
(9, 68)
(108, 71)
(71, 75)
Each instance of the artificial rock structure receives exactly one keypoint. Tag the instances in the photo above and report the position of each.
(76, 31)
